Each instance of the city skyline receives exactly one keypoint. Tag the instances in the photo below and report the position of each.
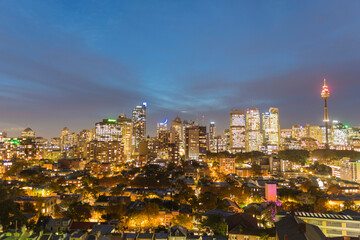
(73, 65)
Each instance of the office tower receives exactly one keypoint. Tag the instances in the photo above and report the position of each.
(271, 127)
(325, 94)
(253, 135)
(162, 126)
(237, 131)
(108, 130)
(67, 139)
(314, 132)
(298, 132)
(212, 135)
(226, 140)
(85, 136)
(286, 133)
(28, 133)
(126, 134)
(68, 143)
(139, 125)
(176, 131)
(195, 142)
(339, 134)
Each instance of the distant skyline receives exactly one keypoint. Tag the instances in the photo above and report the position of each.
(72, 63)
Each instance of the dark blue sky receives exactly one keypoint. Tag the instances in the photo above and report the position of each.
(72, 63)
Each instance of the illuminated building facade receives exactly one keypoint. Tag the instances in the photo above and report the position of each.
(28, 133)
(125, 124)
(161, 127)
(176, 131)
(350, 171)
(298, 132)
(195, 142)
(68, 143)
(271, 127)
(315, 132)
(105, 151)
(237, 131)
(108, 130)
(212, 135)
(339, 134)
(253, 135)
(139, 125)
(227, 166)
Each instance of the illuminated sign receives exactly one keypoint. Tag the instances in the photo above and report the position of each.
(111, 120)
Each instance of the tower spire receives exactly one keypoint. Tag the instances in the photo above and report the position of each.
(325, 94)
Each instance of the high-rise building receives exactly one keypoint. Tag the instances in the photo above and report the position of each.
(339, 134)
(350, 171)
(68, 143)
(85, 136)
(162, 126)
(176, 131)
(125, 124)
(271, 127)
(139, 125)
(298, 132)
(237, 131)
(195, 142)
(108, 130)
(67, 139)
(315, 132)
(28, 133)
(253, 135)
(212, 135)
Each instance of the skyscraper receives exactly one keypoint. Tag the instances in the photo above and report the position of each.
(28, 133)
(271, 127)
(108, 130)
(237, 131)
(162, 126)
(253, 135)
(176, 130)
(126, 132)
(212, 134)
(195, 142)
(139, 125)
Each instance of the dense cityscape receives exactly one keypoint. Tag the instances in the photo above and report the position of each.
(179, 120)
(254, 181)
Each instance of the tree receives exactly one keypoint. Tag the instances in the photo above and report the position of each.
(306, 185)
(256, 170)
(183, 220)
(349, 205)
(10, 213)
(334, 189)
(79, 211)
(216, 223)
(149, 212)
(321, 205)
(115, 211)
(306, 198)
(297, 156)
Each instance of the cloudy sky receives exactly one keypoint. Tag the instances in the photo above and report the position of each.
(73, 63)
